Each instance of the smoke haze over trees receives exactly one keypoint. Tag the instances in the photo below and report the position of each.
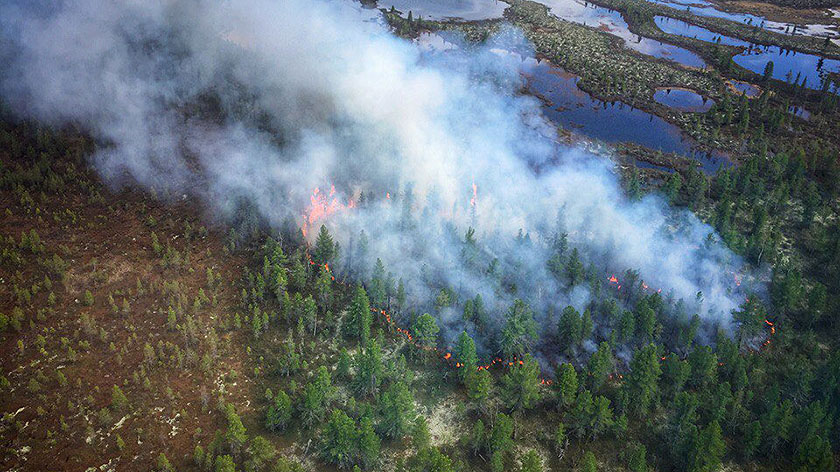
(432, 165)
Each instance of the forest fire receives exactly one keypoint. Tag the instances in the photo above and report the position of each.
(322, 206)
(447, 356)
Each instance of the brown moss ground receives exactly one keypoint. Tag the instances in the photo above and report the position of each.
(105, 240)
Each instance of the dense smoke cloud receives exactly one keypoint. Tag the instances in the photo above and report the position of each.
(264, 101)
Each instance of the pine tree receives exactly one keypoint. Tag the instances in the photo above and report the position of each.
(359, 317)
(574, 268)
(569, 329)
(342, 367)
(377, 285)
(163, 464)
(298, 276)
(316, 395)
(420, 436)
(338, 439)
(581, 414)
(750, 317)
(325, 248)
(519, 332)
(368, 443)
(397, 409)
(589, 463)
(645, 321)
(500, 442)
(478, 384)
(119, 402)
(531, 462)
(560, 439)
(260, 454)
(642, 381)
(586, 325)
(521, 384)
(768, 71)
(368, 368)
(400, 295)
(751, 439)
(704, 364)
(626, 326)
(235, 436)
(465, 354)
(600, 365)
(635, 456)
(708, 449)
(602, 416)
(279, 412)
(323, 289)
(478, 437)
(672, 187)
(425, 331)
(567, 384)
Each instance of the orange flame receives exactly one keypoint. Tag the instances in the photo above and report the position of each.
(322, 206)
(330, 208)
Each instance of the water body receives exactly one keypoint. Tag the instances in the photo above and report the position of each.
(683, 100)
(745, 88)
(468, 10)
(708, 9)
(800, 112)
(617, 122)
(568, 106)
(588, 14)
(788, 65)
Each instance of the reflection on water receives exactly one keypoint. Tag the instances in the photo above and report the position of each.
(588, 14)
(706, 8)
(787, 65)
(750, 90)
(571, 108)
(683, 100)
(574, 109)
(469, 10)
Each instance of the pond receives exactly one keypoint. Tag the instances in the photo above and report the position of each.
(610, 21)
(468, 10)
(683, 100)
(787, 65)
(744, 88)
(708, 9)
(572, 108)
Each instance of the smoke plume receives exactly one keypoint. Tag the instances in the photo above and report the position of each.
(266, 101)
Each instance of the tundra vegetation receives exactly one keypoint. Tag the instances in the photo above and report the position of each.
(138, 332)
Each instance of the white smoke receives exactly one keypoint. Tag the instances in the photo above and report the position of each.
(264, 101)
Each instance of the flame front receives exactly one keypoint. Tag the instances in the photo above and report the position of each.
(322, 206)
(326, 205)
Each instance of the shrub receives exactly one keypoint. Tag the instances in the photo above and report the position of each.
(88, 298)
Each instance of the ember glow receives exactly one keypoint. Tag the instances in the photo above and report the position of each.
(446, 355)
